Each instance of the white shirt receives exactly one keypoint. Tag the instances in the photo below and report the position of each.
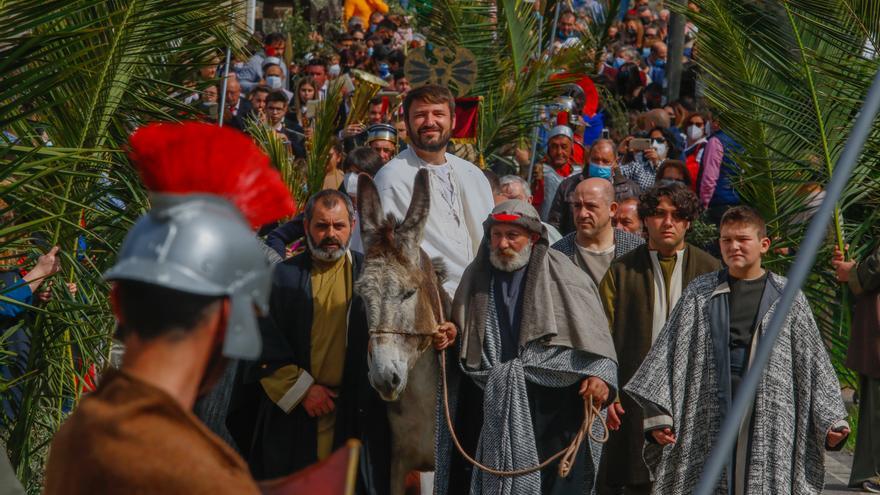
(461, 200)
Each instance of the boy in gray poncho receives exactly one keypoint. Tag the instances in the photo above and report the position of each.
(688, 381)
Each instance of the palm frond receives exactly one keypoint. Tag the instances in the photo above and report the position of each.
(788, 79)
(84, 73)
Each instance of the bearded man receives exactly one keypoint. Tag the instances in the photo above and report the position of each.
(534, 346)
(460, 194)
(312, 390)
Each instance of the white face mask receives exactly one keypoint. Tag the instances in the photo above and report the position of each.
(694, 133)
(274, 82)
(660, 148)
(334, 70)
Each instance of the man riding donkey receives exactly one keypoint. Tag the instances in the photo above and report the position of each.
(535, 345)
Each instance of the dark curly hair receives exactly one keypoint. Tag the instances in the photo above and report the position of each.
(685, 201)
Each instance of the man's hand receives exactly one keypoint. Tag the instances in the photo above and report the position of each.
(319, 401)
(652, 156)
(444, 335)
(664, 436)
(353, 130)
(841, 267)
(835, 437)
(615, 411)
(47, 265)
(595, 387)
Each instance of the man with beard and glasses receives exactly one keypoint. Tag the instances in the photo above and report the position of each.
(595, 243)
(534, 345)
(313, 392)
(460, 194)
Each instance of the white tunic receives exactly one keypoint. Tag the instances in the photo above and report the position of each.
(461, 200)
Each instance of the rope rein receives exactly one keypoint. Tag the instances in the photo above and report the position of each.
(568, 454)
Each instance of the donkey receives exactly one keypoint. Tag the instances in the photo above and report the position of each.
(402, 292)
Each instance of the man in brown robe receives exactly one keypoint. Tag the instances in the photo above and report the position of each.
(639, 292)
(188, 286)
(863, 356)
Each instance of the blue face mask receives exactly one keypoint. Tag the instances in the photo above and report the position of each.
(660, 63)
(646, 52)
(600, 171)
(562, 37)
(618, 63)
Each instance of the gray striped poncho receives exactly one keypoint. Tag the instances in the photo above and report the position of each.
(797, 402)
(507, 440)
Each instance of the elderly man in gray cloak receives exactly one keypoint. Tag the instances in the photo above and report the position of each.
(534, 345)
(688, 380)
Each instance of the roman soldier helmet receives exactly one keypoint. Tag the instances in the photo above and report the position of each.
(561, 130)
(209, 187)
(385, 132)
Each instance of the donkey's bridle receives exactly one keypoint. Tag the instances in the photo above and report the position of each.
(568, 454)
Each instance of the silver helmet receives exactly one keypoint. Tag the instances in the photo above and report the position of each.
(201, 244)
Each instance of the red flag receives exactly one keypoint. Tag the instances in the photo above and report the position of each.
(467, 120)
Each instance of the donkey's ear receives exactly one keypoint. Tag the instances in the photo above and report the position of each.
(410, 231)
(368, 204)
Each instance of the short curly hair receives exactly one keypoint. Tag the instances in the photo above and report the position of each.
(685, 201)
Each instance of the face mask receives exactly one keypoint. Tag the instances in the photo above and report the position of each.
(370, 51)
(334, 70)
(384, 71)
(600, 171)
(618, 63)
(238, 65)
(646, 52)
(562, 36)
(274, 82)
(631, 32)
(270, 51)
(660, 148)
(659, 63)
(694, 133)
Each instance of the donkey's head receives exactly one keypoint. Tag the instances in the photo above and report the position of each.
(394, 286)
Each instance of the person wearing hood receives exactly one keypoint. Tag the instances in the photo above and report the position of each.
(533, 346)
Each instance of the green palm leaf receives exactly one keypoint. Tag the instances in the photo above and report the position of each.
(788, 79)
(88, 72)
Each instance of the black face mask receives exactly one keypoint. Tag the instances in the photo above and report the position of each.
(631, 32)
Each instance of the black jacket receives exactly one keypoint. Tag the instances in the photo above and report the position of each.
(276, 444)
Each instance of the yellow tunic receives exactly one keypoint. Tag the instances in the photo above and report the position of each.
(331, 295)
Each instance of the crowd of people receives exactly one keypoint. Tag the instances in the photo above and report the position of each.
(576, 283)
